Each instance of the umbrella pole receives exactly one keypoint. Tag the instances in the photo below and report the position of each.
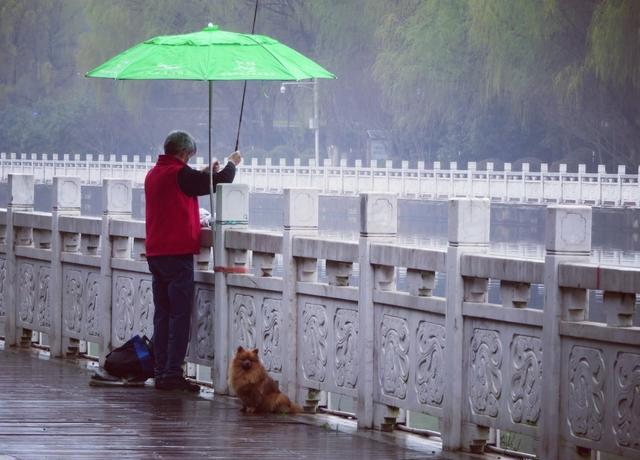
(210, 160)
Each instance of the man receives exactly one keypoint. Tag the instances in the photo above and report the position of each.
(172, 219)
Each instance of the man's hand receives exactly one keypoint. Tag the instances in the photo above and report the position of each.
(215, 165)
(235, 157)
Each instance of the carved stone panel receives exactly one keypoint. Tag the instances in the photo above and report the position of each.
(271, 324)
(485, 374)
(124, 310)
(201, 348)
(43, 308)
(80, 303)
(430, 368)
(132, 299)
(586, 392)
(3, 290)
(26, 292)
(627, 400)
(244, 321)
(346, 338)
(257, 322)
(526, 379)
(314, 342)
(33, 295)
(393, 359)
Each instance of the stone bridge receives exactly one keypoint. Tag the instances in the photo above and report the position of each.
(600, 188)
(330, 319)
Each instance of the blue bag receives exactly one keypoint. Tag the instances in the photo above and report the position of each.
(132, 361)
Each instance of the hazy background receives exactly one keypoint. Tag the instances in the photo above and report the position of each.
(502, 80)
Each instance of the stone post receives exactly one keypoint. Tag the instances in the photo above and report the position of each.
(568, 239)
(21, 194)
(468, 231)
(66, 200)
(232, 212)
(378, 223)
(300, 218)
(116, 202)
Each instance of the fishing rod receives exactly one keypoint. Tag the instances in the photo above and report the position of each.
(244, 92)
(244, 88)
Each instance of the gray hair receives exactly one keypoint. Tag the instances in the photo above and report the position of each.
(179, 141)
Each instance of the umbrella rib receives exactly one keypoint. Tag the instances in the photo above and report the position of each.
(272, 54)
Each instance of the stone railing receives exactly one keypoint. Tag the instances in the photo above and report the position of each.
(570, 384)
(524, 186)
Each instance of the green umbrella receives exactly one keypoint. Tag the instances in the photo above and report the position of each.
(208, 55)
(211, 54)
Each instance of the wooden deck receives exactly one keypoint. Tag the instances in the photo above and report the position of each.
(48, 410)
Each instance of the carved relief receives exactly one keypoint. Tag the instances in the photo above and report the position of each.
(244, 320)
(124, 308)
(314, 342)
(204, 324)
(526, 378)
(145, 311)
(271, 350)
(72, 300)
(44, 313)
(346, 362)
(27, 289)
(586, 392)
(430, 371)
(92, 292)
(3, 279)
(393, 361)
(627, 400)
(485, 376)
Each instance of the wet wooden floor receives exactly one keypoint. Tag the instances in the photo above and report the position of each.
(48, 410)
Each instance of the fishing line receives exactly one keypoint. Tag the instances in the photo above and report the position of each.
(244, 88)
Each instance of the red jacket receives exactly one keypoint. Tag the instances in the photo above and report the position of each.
(173, 218)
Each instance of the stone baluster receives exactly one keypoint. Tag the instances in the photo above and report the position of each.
(300, 218)
(116, 202)
(421, 283)
(263, 262)
(515, 294)
(619, 308)
(66, 201)
(21, 194)
(468, 232)
(232, 212)
(378, 223)
(338, 273)
(568, 239)
(203, 258)
(139, 252)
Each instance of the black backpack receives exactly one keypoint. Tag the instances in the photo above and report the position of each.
(132, 361)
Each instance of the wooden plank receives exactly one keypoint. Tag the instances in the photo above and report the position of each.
(47, 409)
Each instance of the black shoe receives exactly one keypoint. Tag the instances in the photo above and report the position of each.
(177, 384)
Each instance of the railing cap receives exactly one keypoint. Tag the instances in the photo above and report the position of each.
(568, 230)
(378, 214)
(67, 193)
(469, 221)
(301, 208)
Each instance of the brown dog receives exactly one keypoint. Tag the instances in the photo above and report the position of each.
(257, 391)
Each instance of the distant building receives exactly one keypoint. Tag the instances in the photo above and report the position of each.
(378, 145)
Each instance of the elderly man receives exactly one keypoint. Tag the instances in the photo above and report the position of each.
(171, 189)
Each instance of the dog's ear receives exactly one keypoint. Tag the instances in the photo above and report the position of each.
(240, 349)
(255, 351)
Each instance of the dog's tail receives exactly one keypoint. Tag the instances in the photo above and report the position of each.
(284, 405)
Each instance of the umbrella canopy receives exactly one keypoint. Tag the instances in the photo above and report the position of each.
(211, 54)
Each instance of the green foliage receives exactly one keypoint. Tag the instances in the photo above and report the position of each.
(450, 80)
